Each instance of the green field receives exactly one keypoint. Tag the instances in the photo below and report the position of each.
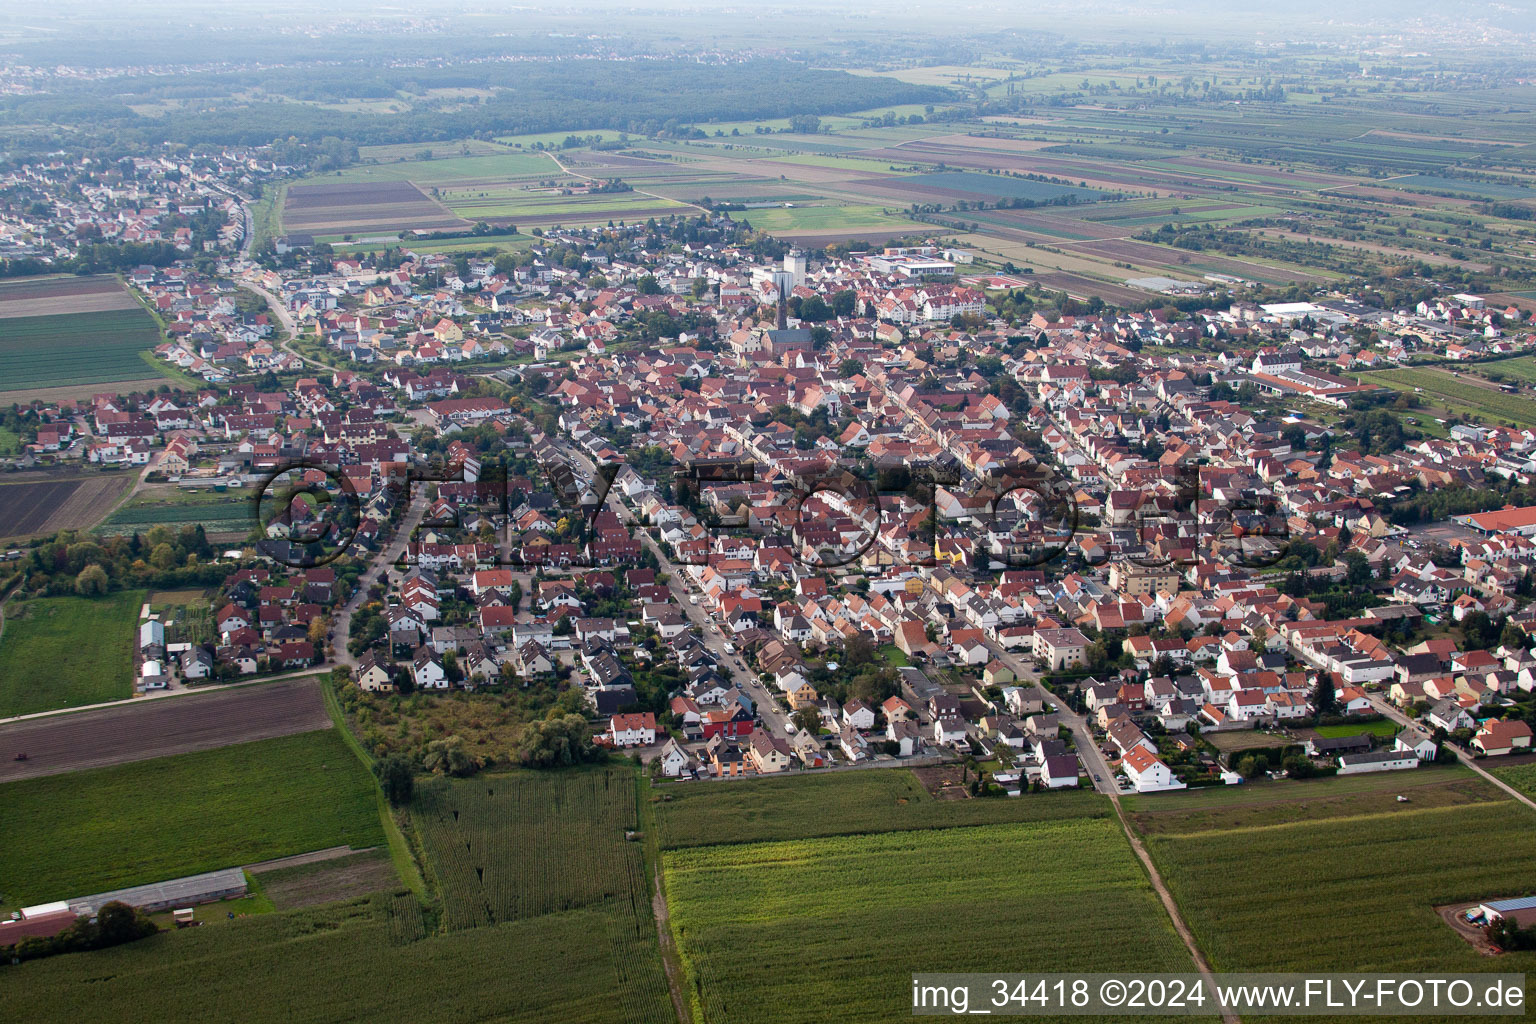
(364, 960)
(829, 220)
(1000, 186)
(1521, 776)
(75, 348)
(526, 844)
(228, 512)
(850, 803)
(1484, 404)
(427, 173)
(1382, 728)
(61, 652)
(1520, 368)
(504, 241)
(1353, 882)
(833, 928)
(85, 832)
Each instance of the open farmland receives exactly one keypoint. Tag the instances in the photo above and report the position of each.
(525, 844)
(227, 514)
(852, 803)
(539, 845)
(1289, 183)
(75, 348)
(1483, 402)
(50, 296)
(161, 727)
(969, 185)
(365, 960)
(59, 652)
(364, 208)
(327, 880)
(131, 824)
(1353, 882)
(863, 912)
(39, 503)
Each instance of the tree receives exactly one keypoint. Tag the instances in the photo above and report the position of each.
(1357, 568)
(117, 923)
(1251, 766)
(163, 557)
(1324, 700)
(91, 581)
(849, 368)
(1479, 631)
(807, 719)
(448, 757)
(397, 778)
(805, 124)
(319, 626)
(1298, 767)
(858, 651)
(557, 742)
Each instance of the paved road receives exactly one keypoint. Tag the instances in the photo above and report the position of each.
(1082, 733)
(290, 325)
(1391, 711)
(388, 555)
(712, 635)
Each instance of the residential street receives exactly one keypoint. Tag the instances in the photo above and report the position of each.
(1387, 709)
(714, 638)
(382, 559)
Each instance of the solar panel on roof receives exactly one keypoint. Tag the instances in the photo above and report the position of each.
(1519, 903)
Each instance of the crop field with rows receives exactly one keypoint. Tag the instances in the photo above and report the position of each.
(515, 846)
(76, 348)
(824, 805)
(866, 912)
(531, 845)
(1354, 883)
(362, 960)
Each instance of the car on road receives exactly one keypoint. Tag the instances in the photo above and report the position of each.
(730, 648)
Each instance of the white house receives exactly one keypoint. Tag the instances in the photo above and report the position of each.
(1059, 772)
(427, 671)
(948, 730)
(674, 759)
(859, 715)
(1147, 773)
(633, 730)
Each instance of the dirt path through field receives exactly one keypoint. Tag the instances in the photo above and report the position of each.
(637, 191)
(669, 958)
(1201, 964)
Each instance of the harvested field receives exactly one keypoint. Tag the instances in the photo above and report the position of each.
(24, 508)
(987, 187)
(329, 880)
(160, 726)
(1147, 254)
(60, 392)
(352, 208)
(40, 503)
(47, 296)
